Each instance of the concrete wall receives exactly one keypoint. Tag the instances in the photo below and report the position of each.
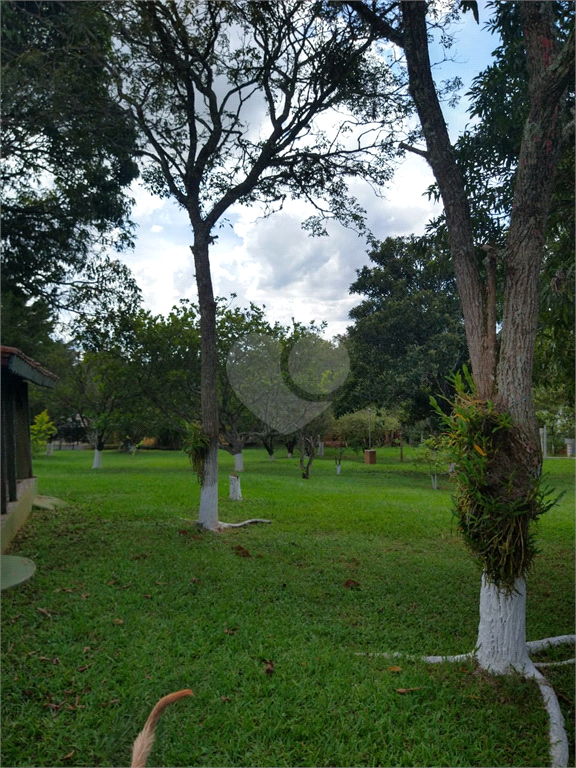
(18, 511)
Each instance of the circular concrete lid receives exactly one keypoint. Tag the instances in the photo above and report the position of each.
(15, 570)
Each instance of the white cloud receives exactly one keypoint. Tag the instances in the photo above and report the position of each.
(273, 261)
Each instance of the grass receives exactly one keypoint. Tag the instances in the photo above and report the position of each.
(142, 603)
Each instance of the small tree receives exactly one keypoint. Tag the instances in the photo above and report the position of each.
(434, 453)
(41, 431)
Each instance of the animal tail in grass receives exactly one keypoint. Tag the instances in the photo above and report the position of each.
(145, 738)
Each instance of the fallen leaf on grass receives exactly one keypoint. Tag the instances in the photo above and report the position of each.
(85, 595)
(111, 582)
(69, 755)
(15, 618)
(196, 537)
(112, 701)
(395, 669)
(44, 612)
(184, 532)
(141, 556)
(194, 580)
(230, 630)
(351, 584)
(118, 621)
(83, 668)
(149, 597)
(125, 586)
(86, 648)
(407, 690)
(10, 648)
(161, 583)
(225, 698)
(241, 551)
(472, 696)
(269, 666)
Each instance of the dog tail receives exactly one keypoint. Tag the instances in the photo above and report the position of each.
(145, 738)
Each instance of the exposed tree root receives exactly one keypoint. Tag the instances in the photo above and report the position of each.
(540, 645)
(557, 732)
(223, 526)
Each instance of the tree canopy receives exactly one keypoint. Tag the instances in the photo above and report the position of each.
(408, 334)
(67, 160)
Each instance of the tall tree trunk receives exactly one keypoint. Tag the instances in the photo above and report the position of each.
(501, 634)
(208, 515)
(441, 159)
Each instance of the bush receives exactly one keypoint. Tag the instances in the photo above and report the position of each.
(41, 430)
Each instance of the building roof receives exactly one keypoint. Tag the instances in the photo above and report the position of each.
(15, 361)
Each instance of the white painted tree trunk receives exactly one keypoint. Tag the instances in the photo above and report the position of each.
(50, 448)
(501, 646)
(338, 469)
(208, 514)
(235, 491)
(320, 448)
(289, 454)
(238, 462)
(271, 457)
(97, 464)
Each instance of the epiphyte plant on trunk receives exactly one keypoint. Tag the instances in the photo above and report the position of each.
(224, 97)
(502, 368)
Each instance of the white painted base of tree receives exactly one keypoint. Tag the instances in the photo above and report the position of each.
(235, 490)
(238, 462)
(271, 457)
(97, 463)
(50, 449)
(338, 469)
(502, 649)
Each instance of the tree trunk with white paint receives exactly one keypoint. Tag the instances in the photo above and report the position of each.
(208, 514)
(235, 490)
(238, 462)
(502, 630)
(97, 463)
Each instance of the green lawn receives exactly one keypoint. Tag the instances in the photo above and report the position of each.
(141, 603)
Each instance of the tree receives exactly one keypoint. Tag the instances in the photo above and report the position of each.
(369, 427)
(67, 159)
(97, 393)
(408, 334)
(191, 78)
(502, 371)
(237, 423)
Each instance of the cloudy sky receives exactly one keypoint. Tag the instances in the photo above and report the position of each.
(272, 261)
